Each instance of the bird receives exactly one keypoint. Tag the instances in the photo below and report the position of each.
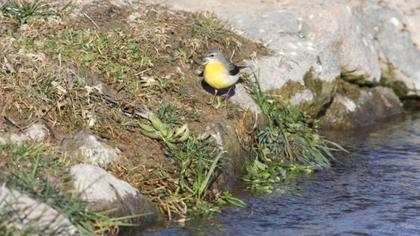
(219, 72)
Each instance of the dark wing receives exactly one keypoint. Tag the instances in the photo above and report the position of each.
(234, 69)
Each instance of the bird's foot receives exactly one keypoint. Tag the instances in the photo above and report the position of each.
(220, 103)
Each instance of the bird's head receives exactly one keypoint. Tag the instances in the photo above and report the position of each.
(214, 55)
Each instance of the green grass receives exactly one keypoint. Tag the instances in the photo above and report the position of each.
(262, 176)
(290, 143)
(21, 11)
(117, 56)
(36, 171)
(209, 27)
(171, 114)
(114, 55)
(198, 162)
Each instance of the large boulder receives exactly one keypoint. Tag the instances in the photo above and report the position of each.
(105, 192)
(410, 9)
(360, 108)
(235, 157)
(27, 216)
(398, 55)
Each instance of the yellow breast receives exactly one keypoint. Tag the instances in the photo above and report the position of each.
(216, 75)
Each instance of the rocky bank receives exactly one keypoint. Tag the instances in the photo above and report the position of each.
(367, 43)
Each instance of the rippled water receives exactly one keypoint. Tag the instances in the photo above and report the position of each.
(375, 191)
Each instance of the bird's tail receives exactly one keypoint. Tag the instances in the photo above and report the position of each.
(243, 66)
(251, 67)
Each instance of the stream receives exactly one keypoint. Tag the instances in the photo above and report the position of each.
(375, 190)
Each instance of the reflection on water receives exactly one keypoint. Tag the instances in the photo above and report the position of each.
(374, 192)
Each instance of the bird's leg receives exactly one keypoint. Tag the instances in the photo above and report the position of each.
(219, 102)
(226, 95)
(214, 96)
(211, 102)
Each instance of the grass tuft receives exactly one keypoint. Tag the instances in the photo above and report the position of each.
(171, 114)
(209, 27)
(21, 11)
(290, 143)
(198, 163)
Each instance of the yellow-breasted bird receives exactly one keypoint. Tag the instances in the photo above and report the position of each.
(219, 72)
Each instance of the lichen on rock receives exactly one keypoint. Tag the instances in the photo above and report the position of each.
(85, 146)
(35, 133)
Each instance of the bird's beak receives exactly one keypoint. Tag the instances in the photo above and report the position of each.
(204, 60)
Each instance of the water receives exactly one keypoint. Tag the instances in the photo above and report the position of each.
(375, 191)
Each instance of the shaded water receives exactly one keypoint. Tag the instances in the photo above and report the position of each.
(375, 191)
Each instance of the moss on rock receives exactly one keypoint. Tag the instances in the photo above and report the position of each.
(323, 92)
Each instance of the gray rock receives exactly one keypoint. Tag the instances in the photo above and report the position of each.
(399, 57)
(300, 97)
(370, 106)
(86, 147)
(27, 216)
(35, 133)
(105, 192)
(229, 139)
(410, 9)
(243, 99)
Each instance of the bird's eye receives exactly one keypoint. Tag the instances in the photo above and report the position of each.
(211, 55)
